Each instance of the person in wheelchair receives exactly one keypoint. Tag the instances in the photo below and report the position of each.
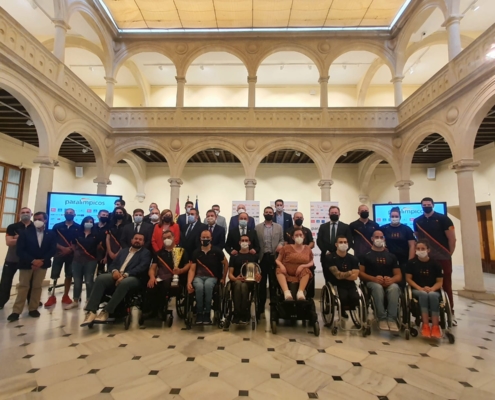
(293, 265)
(342, 270)
(129, 271)
(425, 277)
(381, 272)
(168, 262)
(208, 266)
(241, 288)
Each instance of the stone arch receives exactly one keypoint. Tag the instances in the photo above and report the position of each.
(138, 168)
(366, 170)
(127, 144)
(36, 107)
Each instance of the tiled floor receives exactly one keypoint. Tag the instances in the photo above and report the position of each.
(52, 358)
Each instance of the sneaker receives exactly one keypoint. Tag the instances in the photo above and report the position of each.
(300, 295)
(13, 317)
(52, 300)
(67, 302)
(102, 316)
(436, 332)
(74, 304)
(392, 325)
(425, 331)
(199, 319)
(90, 317)
(383, 325)
(207, 319)
(34, 314)
(454, 321)
(288, 296)
(344, 314)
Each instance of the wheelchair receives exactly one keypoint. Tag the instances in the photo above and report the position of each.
(190, 307)
(296, 310)
(370, 303)
(228, 302)
(331, 311)
(445, 314)
(180, 294)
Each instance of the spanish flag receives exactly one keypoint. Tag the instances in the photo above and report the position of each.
(177, 211)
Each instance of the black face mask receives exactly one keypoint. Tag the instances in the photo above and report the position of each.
(298, 222)
(69, 217)
(334, 218)
(268, 217)
(205, 242)
(167, 219)
(364, 214)
(103, 220)
(119, 216)
(427, 210)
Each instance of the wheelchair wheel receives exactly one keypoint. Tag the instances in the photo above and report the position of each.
(274, 327)
(406, 333)
(414, 332)
(316, 328)
(355, 318)
(335, 330)
(127, 321)
(327, 306)
(451, 337)
(170, 320)
(180, 305)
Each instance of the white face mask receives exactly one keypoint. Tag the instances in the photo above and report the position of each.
(38, 224)
(299, 240)
(395, 220)
(280, 208)
(154, 217)
(244, 245)
(421, 253)
(168, 242)
(343, 246)
(379, 243)
(210, 220)
(241, 210)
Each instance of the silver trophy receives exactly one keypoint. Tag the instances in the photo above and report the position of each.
(249, 271)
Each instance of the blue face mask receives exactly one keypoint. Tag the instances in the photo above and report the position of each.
(242, 223)
(138, 219)
(191, 219)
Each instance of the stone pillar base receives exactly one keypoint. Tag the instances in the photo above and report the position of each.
(469, 294)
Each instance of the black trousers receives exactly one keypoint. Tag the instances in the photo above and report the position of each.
(156, 297)
(240, 294)
(8, 272)
(349, 297)
(267, 265)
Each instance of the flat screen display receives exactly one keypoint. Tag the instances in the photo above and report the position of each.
(83, 204)
(408, 212)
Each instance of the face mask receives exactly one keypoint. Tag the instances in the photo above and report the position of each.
(395, 220)
(88, 225)
(298, 222)
(25, 217)
(364, 214)
(421, 253)
(39, 224)
(205, 242)
(154, 217)
(119, 216)
(69, 217)
(244, 245)
(379, 243)
(103, 220)
(280, 208)
(167, 219)
(191, 219)
(343, 246)
(188, 209)
(210, 220)
(241, 210)
(334, 218)
(168, 242)
(427, 210)
(268, 217)
(138, 219)
(217, 212)
(243, 223)
(299, 240)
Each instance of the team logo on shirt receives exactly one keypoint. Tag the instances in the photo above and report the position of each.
(381, 260)
(395, 235)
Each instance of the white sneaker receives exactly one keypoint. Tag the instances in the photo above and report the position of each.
(102, 316)
(454, 321)
(90, 317)
(300, 295)
(72, 305)
(383, 325)
(288, 295)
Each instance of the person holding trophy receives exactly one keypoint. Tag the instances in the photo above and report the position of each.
(168, 265)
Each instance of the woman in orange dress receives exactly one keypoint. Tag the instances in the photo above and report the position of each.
(293, 265)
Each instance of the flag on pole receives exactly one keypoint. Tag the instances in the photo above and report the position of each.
(196, 207)
(177, 211)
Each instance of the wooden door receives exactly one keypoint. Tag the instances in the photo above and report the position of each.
(485, 226)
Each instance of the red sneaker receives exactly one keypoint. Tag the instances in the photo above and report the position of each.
(66, 302)
(436, 332)
(52, 300)
(425, 332)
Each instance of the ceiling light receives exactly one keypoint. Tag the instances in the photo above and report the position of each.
(91, 69)
(411, 71)
(29, 122)
(491, 53)
(310, 67)
(344, 155)
(160, 67)
(344, 66)
(475, 8)
(201, 67)
(425, 149)
(298, 154)
(281, 67)
(312, 92)
(217, 153)
(84, 150)
(148, 153)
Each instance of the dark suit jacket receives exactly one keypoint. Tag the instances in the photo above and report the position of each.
(182, 221)
(323, 240)
(192, 241)
(235, 236)
(28, 248)
(138, 265)
(128, 233)
(234, 223)
(288, 223)
(218, 237)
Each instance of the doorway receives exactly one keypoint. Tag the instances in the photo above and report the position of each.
(485, 226)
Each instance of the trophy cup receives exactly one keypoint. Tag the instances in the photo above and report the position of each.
(249, 271)
(177, 256)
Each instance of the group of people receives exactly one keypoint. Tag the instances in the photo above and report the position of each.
(125, 252)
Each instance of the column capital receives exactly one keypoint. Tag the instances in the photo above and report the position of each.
(140, 197)
(364, 198)
(323, 79)
(60, 23)
(175, 182)
(180, 79)
(102, 181)
(250, 183)
(252, 79)
(403, 184)
(325, 184)
(46, 162)
(396, 79)
(109, 79)
(465, 165)
(453, 19)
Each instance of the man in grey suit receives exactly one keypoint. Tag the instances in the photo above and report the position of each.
(271, 240)
(220, 220)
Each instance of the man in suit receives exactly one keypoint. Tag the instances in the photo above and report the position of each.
(217, 231)
(129, 271)
(183, 219)
(153, 206)
(220, 220)
(271, 239)
(35, 249)
(191, 233)
(281, 217)
(137, 227)
(233, 246)
(329, 231)
(234, 221)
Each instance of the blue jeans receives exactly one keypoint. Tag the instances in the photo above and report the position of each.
(428, 302)
(378, 294)
(203, 286)
(84, 270)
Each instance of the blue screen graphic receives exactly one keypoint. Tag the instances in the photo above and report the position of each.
(408, 211)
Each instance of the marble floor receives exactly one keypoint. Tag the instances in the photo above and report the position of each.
(53, 358)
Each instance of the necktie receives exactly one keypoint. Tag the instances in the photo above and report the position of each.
(189, 229)
(332, 233)
(243, 231)
(210, 228)
(136, 229)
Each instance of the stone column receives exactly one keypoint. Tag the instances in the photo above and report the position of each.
(473, 272)
(250, 185)
(325, 186)
(175, 184)
(61, 28)
(110, 90)
(252, 91)
(101, 185)
(397, 81)
(181, 84)
(453, 26)
(45, 182)
(323, 81)
(404, 191)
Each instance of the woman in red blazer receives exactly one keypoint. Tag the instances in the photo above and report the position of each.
(166, 224)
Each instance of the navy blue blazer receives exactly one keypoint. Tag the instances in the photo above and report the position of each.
(28, 248)
(288, 223)
(138, 265)
(218, 237)
(182, 221)
(234, 223)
